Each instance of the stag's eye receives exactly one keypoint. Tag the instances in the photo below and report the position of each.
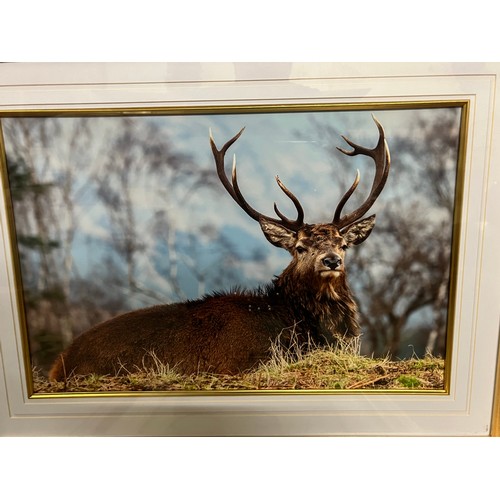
(301, 249)
(344, 247)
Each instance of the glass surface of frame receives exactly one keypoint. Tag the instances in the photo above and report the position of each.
(114, 214)
(111, 203)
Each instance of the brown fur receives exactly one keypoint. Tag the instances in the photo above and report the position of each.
(228, 332)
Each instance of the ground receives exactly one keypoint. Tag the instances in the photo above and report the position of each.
(318, 369)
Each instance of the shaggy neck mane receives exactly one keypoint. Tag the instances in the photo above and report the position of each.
(326, 307)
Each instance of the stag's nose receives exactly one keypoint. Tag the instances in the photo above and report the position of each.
(332, 261)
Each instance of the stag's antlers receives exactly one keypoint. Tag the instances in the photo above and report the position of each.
(380, 154)
(233, 189)
(382, 158)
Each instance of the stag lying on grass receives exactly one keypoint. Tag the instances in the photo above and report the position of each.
(231, 332)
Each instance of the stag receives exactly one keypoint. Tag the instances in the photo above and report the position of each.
(233, 331)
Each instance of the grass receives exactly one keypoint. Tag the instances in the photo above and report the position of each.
(288, 368)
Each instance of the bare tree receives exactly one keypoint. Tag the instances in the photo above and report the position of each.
(47, 215)
(141, 162)
(399, 278)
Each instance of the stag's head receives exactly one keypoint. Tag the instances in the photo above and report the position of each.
(317, 250)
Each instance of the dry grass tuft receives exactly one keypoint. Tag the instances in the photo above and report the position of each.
(292, 367)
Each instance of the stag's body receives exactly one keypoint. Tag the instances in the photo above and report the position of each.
(310, 302)
(221, 333)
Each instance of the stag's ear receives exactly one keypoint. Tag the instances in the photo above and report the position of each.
(278, 235)
(357, 232)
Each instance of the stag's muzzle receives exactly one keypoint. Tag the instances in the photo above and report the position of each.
(332, 261)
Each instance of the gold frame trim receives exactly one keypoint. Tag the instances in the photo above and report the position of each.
(495, 412)
(232, 108)
(463, 104)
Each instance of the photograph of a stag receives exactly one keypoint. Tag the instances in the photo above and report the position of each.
(231, 332)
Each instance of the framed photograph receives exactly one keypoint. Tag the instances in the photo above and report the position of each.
(201, 256)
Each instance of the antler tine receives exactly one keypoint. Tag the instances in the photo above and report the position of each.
(299, 221)
(347, 195)
(233, 189)
(381, 156)
(219, 161)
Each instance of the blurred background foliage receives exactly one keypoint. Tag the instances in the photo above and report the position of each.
(117, 213)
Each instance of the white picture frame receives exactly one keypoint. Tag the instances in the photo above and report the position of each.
(468, 406)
